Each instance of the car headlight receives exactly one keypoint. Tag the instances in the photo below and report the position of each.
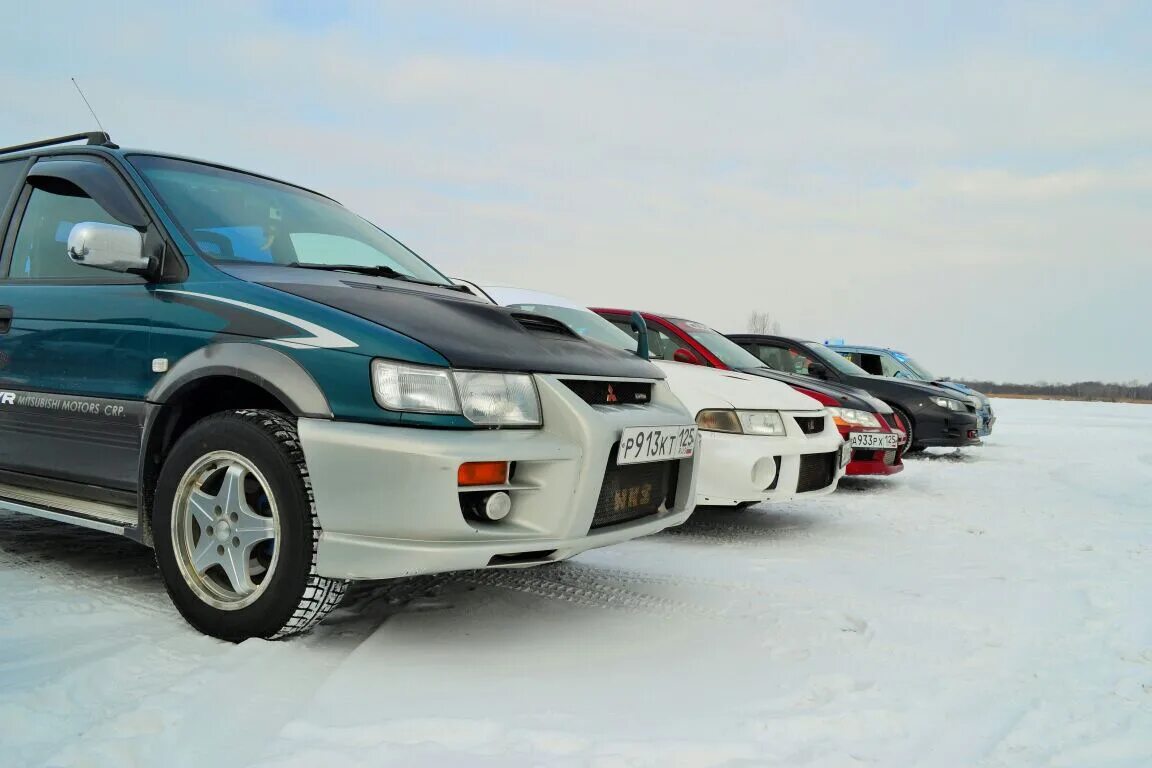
(506, 399)
(950, 404)
(741, 422)
(482, 397)
(850, 417)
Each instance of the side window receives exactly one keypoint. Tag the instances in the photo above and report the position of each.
(41, 250)
(873, 364)
(891, 368)
(784, 359)
(661, 344)
(667, 343)
(773, 357)
(625, 326)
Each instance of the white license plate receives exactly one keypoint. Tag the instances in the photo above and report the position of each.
(885, 440)
(641, 444)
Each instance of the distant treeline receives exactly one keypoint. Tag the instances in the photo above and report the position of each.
(1082, 390)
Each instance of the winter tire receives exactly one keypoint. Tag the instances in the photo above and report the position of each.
(235, 529)
(910, 428)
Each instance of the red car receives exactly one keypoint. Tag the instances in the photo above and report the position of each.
(875, 433)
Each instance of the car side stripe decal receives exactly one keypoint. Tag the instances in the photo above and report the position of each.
(319, 338)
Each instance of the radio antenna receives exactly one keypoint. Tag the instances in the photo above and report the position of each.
(85, 98)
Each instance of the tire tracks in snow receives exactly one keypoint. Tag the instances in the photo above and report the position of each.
(577, 587)
(249, 680)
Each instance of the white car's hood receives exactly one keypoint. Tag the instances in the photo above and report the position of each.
(700, 387)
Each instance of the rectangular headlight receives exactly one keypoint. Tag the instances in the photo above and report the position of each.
(498, 399)
(416, 388)
(761, 422)
(719, 420)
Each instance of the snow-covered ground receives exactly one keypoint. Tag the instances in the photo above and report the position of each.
(990, 609)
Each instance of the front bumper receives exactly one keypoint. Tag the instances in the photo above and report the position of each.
(987, 421)
(872, 461)
(736, 468)
(937, 429)
(389, 505)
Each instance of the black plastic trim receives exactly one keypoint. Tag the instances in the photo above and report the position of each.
(97, 493)
(258, 364)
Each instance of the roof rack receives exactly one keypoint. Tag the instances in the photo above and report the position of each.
(93, 138)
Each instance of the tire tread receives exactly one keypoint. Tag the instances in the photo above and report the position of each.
(322, 594)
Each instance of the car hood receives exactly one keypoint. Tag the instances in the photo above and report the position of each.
(468, 332)
(963, 388)
(846, 396)
(925, 387)
(700, 387)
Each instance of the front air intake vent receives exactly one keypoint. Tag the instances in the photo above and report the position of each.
(810, 425)
(603, 392)
(542, 324)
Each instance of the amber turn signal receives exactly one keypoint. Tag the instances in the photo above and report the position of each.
(483, 473)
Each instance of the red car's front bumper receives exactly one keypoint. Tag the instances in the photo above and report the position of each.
(870, 461)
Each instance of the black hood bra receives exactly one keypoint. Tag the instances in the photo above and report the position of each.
(466, 331)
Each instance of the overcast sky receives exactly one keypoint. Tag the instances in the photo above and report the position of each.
(970, 182)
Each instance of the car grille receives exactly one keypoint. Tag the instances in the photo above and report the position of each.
(817, 470)
(810, 425)
(633, 491)
(889, 456)
(601, 392)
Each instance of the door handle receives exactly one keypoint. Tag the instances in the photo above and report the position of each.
(5, 319)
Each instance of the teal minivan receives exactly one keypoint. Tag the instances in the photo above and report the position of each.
(279, 398)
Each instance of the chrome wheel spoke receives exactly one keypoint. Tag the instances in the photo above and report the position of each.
(205, 555)
(217, 530)
(235, 564)
(252, 530)
(202, 506)
(231, 496)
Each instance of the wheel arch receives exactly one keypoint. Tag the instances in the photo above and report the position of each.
(215, 378)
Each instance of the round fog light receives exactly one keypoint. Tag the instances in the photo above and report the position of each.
(497, 506)
(764, 472)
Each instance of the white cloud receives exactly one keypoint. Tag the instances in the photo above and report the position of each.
(708, 160)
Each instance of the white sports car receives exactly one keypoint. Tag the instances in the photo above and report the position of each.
(760, 439)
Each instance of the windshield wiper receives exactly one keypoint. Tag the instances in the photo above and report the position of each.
(376, 270)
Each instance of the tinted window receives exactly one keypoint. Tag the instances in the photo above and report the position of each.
(773, 357)
(871, 363)
(785, 359)
(9, 180)
(832, 360)
(889, 367)
(661, 344)
(41, 250)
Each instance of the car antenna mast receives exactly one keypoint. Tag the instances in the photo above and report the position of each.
(85, 98)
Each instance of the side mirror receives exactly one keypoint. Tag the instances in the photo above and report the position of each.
(817, 370)
(683, 355)
(112, 247)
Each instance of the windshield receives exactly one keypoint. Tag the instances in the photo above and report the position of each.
(920, 371)
(834, 360)
(234, 217)
(729, 352)
(585, 322)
